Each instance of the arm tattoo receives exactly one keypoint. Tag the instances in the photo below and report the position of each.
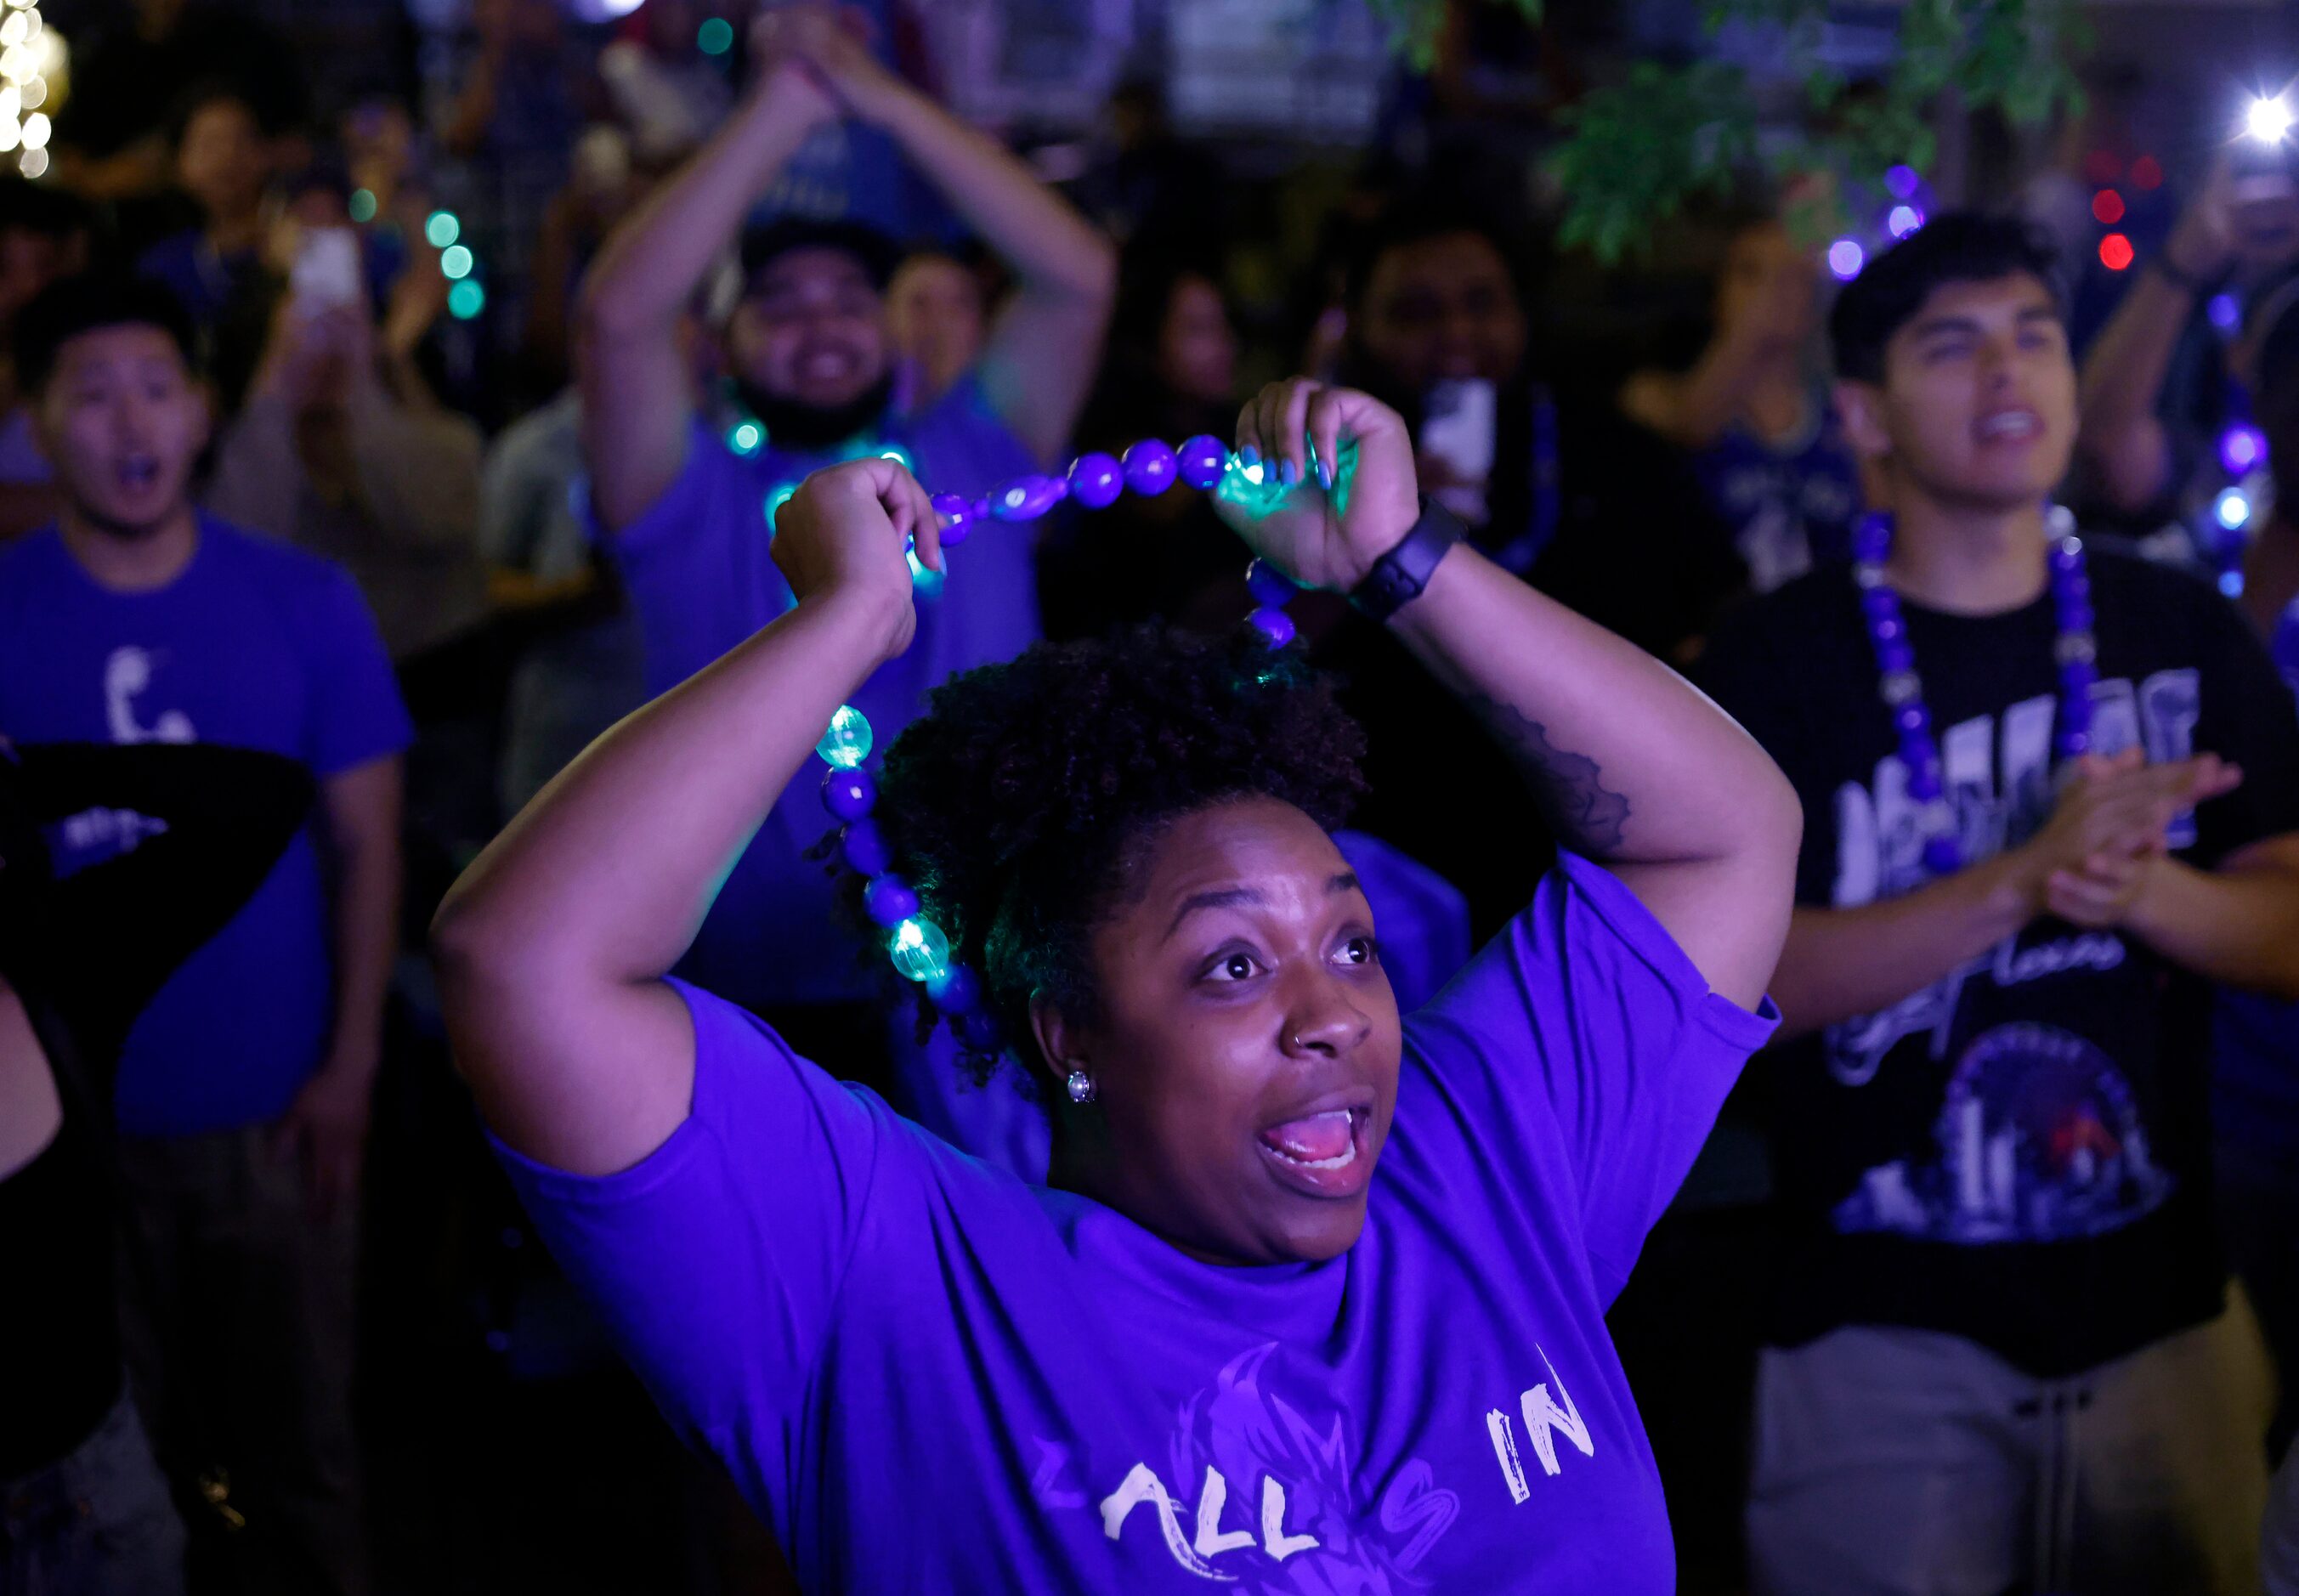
(1584, 814)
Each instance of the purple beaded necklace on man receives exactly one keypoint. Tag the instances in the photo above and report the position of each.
(2074, 650)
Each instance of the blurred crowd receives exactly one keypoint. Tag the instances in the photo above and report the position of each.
(528, 368)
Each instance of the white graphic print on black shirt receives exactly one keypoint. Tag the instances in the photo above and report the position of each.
(2016, 1152)
(2038, 1137)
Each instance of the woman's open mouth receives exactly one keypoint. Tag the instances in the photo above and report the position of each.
(1322, 1154)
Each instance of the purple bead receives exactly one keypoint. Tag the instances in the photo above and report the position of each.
(1896, 655)
(953, 510)
(849, 794)
(2066, 555)
(956, 993)
(1096, 480)
(1911, 719)
(1027, 498)
(2074, 744)
(1871, 539)
(980, 511)
(1943, 857)
(1269, 585)
(1149, 468)
(889, 901)
(977, 1031)
(1275, 627)
(1880, 603)
(1886, 629)
(1202, 461)
(864, 848)
(1924, 786)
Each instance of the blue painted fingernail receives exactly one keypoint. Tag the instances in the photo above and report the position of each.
(1325, 476)
(1289, 473)
(1248, 455)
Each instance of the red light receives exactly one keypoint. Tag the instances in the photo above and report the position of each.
(2146, 172)
(2107, 206)
(2115, 252)
(2104, 166)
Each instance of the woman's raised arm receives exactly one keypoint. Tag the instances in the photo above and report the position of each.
(1630, 766)
(551, 947)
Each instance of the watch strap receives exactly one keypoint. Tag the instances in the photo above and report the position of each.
(1398, 577)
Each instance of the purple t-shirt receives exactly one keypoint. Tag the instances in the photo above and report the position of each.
(701, 581)
(255, 646)
(927, 1375)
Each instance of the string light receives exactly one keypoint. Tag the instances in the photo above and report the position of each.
(1846, 257)
(2232, 508)
(1903, 181)
(466, 299)
(455, 262)
(2115, 253)
(361, 205)
(716, 37)
(442, 228)
(30, 54)
(1904, 220)
(2108, 207)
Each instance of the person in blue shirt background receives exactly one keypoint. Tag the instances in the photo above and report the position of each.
(244, 1089)
(685, 500)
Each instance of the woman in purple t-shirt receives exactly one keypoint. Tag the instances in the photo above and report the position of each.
(1314, 1298)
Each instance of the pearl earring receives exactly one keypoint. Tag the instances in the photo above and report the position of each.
(1080, 1085)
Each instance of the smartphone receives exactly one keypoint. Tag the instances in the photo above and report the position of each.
(327, 275)
(1456, 438)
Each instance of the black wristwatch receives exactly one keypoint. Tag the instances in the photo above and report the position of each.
(1398, 577)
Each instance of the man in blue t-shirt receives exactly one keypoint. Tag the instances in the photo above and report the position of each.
(244, 1088)
(685, 501)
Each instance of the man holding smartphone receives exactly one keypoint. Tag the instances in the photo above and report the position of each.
(2150, 407)
(1552, 483)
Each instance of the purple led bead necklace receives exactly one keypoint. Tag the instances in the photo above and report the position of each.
(917, 946)
(2074, 651)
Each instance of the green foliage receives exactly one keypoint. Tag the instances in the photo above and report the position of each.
(1635, 151)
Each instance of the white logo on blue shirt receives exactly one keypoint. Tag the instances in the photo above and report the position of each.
(127, 672)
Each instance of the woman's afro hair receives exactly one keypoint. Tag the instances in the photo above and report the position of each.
(1020, 804)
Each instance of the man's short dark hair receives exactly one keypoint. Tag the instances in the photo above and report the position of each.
(87, 302)
(1962, 246)
(207, 92)
(874, 251)
(1407, 223)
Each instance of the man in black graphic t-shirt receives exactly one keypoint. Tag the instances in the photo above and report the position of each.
(2004, 1352)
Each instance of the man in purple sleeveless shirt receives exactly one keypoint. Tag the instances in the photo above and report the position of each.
(685, 500)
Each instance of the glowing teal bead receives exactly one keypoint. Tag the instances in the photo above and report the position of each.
(777, 500)
(847, 744)
(746, 438)
(919, 949)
